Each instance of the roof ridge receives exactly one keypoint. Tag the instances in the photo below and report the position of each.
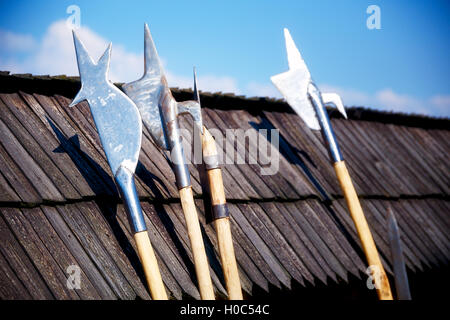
(68, 86)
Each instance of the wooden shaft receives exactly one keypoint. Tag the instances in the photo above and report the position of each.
(150, 265)
(197, 246)
(223, 230)
(368, 244)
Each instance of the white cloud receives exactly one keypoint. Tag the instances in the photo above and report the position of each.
(262, 90)
(11, 41)
(55, 55)
(441, 104)
(206, 83)
(389, 100)
(350, 97)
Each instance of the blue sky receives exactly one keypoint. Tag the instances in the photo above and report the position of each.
(237, 45)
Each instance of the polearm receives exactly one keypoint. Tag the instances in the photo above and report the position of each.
(220, 213)
(159, 112)
(305, 98)
(398, 261)
(119, 126)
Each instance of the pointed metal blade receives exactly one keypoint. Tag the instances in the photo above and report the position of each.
(116, 117)
(293, 84)
(193, 107)
(148, 91)
(400, 275)
(196, 94)
(334, 100)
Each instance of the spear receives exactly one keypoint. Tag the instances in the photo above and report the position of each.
(307, 101)
(159, 112)
(400, 276)
(215, 188)
(119, 126)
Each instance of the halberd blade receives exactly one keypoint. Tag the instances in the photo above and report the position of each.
(116, 117)
(293, 84)
(334, 100)
(149, 90)
(400, 275)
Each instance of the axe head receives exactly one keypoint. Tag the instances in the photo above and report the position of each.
(153, 98)
(116, 117)
(294, 85)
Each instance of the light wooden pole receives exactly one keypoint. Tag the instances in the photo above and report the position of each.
(196, 240)
(150, 266)
(221, 218)
(368, 244)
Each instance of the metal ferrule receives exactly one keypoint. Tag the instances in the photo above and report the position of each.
(173, 137)
(220, 211)
(324, 121)
(211, 162)
(127, 189)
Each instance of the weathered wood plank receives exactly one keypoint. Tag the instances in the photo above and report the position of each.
(58, 250)
(251, 176)
(332, 251)
(325, 259)
(360, 158)
(380, 211)
(11, 287)
(387, 164)
(254, 254)
(54, 277)
(303, 154)
(329, 219)
(276, 241)
(422, 238)
(101, 219)
(415, 159)
(289, 163)
(239, 120)
(35, 150)
(32, 126)
(34, 174)
(96, 251)
(78, 251)
(20, 262)
(312, 144)
(410, 235)
(88, 162)
(429, 155)
(285, 170)
(440, 212)
(441, 246)
(396, 154)
(7, 194)
(379, 237)
(270, 259)
(281, 217)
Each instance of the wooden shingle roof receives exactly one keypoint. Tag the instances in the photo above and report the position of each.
(59, 205)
